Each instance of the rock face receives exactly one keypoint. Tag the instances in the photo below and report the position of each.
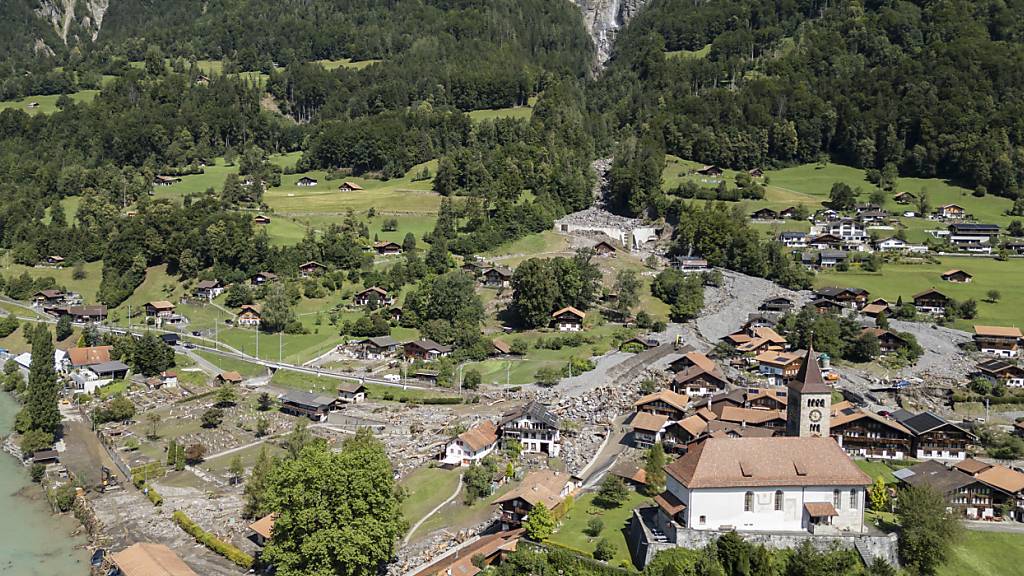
(72, 26)
(603, 18)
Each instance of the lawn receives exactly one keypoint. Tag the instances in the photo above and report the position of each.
(293, 348)
(158, 285)
(47, 104)
(986, 554)
(571, 531)
(87, 287)
(346, 63)
(547, 243)
(874, 469)
(521, 112)
(689, 54)
(424, 489)
(457, 515)
(906, 279)
(228, 364)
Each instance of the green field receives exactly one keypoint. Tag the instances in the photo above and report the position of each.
(425, 489)
(907, 279)
(986, 554)
(571, 530)
(875, 469)
(521, 112)
(329, 385)
(228, 364)
(87, 287)
(689, 54)
(47, 104)
(346, 63)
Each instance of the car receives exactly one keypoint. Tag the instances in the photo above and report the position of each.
(189, 345)
(197, 333)
(392, 378)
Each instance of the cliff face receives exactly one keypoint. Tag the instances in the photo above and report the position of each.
(73, 27)
(603, 18)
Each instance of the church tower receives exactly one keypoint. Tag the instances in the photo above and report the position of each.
(809, 408)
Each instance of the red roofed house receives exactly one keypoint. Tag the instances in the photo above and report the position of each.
(472, 445)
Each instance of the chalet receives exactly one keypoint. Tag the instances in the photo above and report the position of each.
(1002, 341)
(710, 408)
(306, 182)
(497, 277)
(500, 348)
(973, 237)
(546, 488)
(249, 315)
(777, 304)
(387, 248)
(689, 359)
(50, 297)
(769, 398)
(1001, 372)
(904, 198)
(793, 239)
(678, 434)
(89, 356)
(826, 306)
(311, 268)
(756, 173)
(428, 376)
(261, 278)
(261, 220)
(55, 260)
(647, 429)
(316, 407)
(931, 301)
(779, 367)
(865, 434)
(765, 214)
(229, 377)
(756, 340)
(638, 344)
(789, 213)
(149, 559)
(83, 314)
(831, 258)
(969, 495)
(848, 230)
(957, 276)
(568, 319)
(159, 309)
(823, 241)
(696, 382)
(890, 244)
(471, 446)
(951, 212)
(208, 289)
(664, 402)
(1014, 247)
(872, 216)
(350, 187)
(764, 485)
(826, 215)
(774, 420)
(604, 248)
(847, 297)
(474, 266)
(426, 350)
(160, 181)
(262, 529)
(710, 171)
(1002, 480)
(869, 207)
(168, 378)
(378, 347)
(876, 307)
(351, 392)
(690, 264)
(630, 473)
(395, 313)
(534, 427)
(373, 297)
(935, 438)
(889, 342)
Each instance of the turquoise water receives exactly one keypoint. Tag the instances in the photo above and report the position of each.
(32, 541)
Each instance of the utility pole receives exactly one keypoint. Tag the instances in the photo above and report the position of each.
(280, 346)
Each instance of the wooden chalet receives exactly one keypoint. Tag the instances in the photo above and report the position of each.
(546, 488)
(261, 278)
(249, 315)
(696, 381)
(351, 392)
(957, 276)
(663, 402)
(765, 214)
(568, 319)
(426, 350)
(604, 248)
(387, 248)
(864, 434)
(904, 198)
(848, 297)
(261, 220)
(49, 297)
(306, 182)
(931, 301)
(229, 377)
(377, 347)
(84, 314)
(709, 171)
(350, 187)
(311, 268)
(373, 297)
(1002, 372)
(160, 181)
(876, 307)
(934, 437)
(777, 304)
(1002, 341)
(969, 495)
(149, 559)
(301, 403)
(497, 277)
(889, 342)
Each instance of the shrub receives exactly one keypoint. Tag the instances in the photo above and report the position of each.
(37, 471)
(605, 550)
(594, 527)
(212, 542)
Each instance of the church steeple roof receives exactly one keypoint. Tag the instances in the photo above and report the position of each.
(809, 379)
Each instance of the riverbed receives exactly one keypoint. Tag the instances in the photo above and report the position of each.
(33, 542)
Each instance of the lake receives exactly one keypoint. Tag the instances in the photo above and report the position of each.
(33, 542)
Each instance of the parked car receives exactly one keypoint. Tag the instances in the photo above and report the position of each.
(392, 378)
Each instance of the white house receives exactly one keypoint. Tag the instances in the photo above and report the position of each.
(534, 427)
(472, 445)
(793, 239)
(60, 361)
(775, 484)
(846, 229)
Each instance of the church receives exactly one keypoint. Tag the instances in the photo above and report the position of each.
(801, 482)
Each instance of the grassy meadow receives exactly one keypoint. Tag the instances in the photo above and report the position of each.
(985, 554)
(571, 531)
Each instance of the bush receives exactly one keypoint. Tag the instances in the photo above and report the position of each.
(605, 550)
(212, 542)
(37, 471)
(594, 527)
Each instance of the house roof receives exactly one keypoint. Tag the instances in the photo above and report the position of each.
(570, 310)
(109, 367)
(385, 244)
(312, 264)
(499, 270)
(648, 422)
(1003, 478)
(971, 466)
(629, 471)
(996, 366)
(955, 271)
(534, 411)
(230, 376)
(91, 310)
(809, 379)
(381, 341)
(833, 291)
(265, 274)
(752, 416)
(207, 284)
(775, 461)
(694, 372)
(87, 356)
(668, 502)
(929, 292)
(374, 289)
(161, 305)
(923, 422)
(780, 395)
(1004, 331)
(875, 308)
(935, 474)
(264, 525)
(539, 487)
(428, 344)
(700, 360)
(50, 293)
(350, 185)
(460, 561)
(304, 398)
(777, 358)
(850, 414)
(149, 559)
(721, 429)
(695, 425)
(501, 346)
(254, 308)
(351, 386)
(673, 399)
(480, 436)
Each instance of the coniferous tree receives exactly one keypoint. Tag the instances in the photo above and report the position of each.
(42, 383)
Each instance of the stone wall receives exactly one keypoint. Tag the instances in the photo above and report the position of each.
(643, 545)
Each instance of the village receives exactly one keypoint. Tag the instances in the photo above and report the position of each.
(716, 396)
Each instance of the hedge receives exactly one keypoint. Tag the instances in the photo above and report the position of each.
(212, 542)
